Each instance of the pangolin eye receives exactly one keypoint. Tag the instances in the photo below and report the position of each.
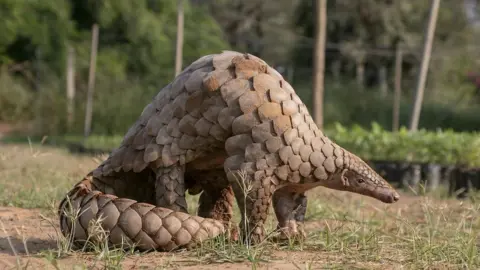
(360, 180)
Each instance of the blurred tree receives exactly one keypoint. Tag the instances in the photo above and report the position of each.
(363, 25)
(144, 32)
(262, 28)
(135, 52)
(136, 36)
(34, 31)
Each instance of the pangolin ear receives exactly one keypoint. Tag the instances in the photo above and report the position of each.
(344, 178)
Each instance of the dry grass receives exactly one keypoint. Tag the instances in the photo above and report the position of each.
(346, 231)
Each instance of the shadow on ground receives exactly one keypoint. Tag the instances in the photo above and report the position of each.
(32, 245)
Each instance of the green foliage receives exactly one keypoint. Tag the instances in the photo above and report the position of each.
(441, 147)
(444, 147)
(347, 104)
(369, 31)
(135, 58)
(15, 99)
(34, 29)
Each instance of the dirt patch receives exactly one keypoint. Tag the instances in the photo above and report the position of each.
(24, 225)
(26, 236)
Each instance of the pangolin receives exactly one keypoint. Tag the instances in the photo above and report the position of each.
(229, 126)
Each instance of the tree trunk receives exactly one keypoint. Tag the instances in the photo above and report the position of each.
(91, 81)
(179, 46)
(422, 76)
(398, 89)
(70, 87)
(382, 75)
(319, 61)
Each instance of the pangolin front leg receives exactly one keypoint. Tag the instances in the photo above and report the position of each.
(170, 188)
(290, 208)
(252, 188)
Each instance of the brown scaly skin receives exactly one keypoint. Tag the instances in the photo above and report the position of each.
(230, 112)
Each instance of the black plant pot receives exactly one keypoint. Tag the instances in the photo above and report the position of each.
(462, 181)
(393, 171)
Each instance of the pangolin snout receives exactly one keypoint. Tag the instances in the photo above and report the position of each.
(388, 196)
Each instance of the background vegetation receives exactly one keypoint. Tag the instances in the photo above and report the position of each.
(137, 50)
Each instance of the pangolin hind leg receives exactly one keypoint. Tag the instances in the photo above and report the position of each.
(290, 208)
(170, 188)
(301, 209)
(217, 199)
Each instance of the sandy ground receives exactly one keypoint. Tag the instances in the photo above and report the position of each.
(25, 235)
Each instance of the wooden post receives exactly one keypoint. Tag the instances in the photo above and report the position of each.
(422, 76)
(179, 46)
(70, 86)
(91, 81)
(319, 61)
(398, 89)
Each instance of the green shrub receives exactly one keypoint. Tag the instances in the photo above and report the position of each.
(15, 99)
(346, 104)
(442, 146)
